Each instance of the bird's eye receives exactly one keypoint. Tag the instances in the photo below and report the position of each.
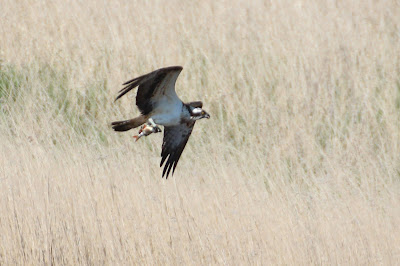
(202, 112)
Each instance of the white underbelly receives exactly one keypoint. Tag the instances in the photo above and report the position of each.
(167, 114)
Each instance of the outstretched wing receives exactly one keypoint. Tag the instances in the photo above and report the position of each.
(153, 86)
(197, 104)
(175, 139)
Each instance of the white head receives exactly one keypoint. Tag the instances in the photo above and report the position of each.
(198, 113)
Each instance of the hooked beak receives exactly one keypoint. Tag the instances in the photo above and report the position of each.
(207, 116)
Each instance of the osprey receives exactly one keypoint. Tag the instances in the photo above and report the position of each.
(159, 105)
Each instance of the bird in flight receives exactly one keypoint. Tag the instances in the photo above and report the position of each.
(160, 105)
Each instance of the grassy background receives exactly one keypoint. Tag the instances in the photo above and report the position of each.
(299, 164)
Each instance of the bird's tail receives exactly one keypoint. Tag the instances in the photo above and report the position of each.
(129, 124)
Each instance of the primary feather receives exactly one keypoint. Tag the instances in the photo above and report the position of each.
(157, 100)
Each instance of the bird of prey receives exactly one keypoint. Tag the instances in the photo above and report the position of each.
(160, 105)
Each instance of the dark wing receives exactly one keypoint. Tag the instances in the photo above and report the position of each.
(175, 139)
(197, 104)
(152, 86)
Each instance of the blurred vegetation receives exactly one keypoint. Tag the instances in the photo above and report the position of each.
(10, 82)
(82, 109)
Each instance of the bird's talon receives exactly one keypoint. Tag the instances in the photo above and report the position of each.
(162, 101)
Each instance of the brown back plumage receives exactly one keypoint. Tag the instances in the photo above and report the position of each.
(129, 124)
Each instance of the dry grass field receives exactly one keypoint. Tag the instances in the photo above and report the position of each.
(298, 165)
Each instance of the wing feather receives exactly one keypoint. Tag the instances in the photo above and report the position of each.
(197, 104)
(158, 83)
(174, 142)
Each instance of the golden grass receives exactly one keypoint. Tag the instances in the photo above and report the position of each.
(299, 163)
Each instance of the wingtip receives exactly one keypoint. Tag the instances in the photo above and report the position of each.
(163, 173)
(176, 68)
(167, 169)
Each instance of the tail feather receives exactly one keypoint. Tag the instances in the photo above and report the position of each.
(129, 124)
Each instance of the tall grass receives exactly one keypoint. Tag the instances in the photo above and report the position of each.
(299, 163)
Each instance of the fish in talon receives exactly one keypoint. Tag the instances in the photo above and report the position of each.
(146, 130)
(159, 104)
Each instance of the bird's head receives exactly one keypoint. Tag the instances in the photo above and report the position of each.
(198, 113)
